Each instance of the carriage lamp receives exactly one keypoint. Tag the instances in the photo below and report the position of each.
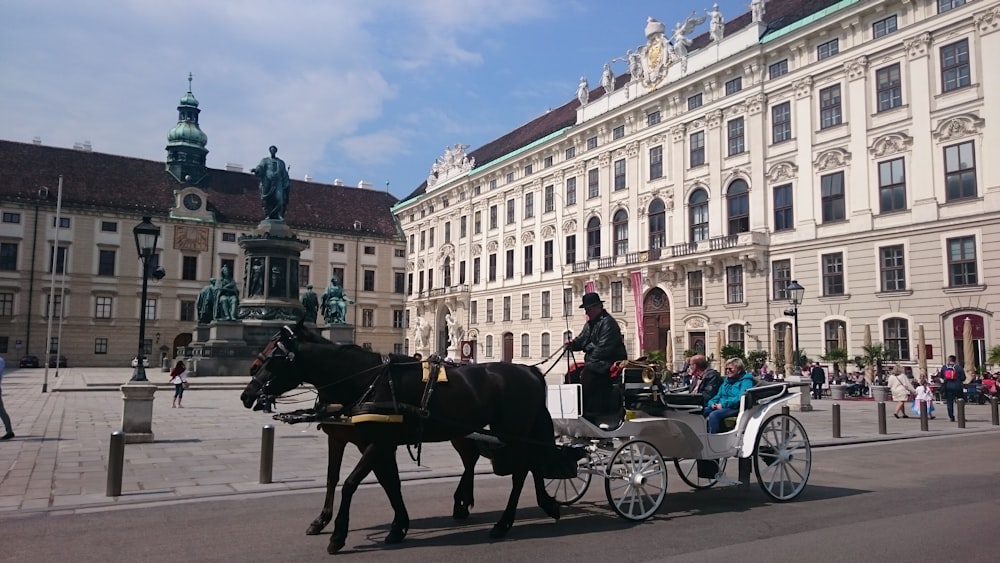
(795, 292)
(146, 234)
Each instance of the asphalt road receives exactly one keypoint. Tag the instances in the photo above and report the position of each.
(916, 500)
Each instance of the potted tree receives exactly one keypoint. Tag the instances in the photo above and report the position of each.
(838, 357)
(877, 355)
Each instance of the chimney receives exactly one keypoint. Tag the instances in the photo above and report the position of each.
(364, 185)
(36, 141)
(234, 167)
(83, 147)
(338, 182)
(307, 178)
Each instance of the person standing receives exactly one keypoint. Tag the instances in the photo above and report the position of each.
(705, 381)
(953, 384)
(178, 378)
(603, 344)
(818, 377)
(3, 411)
(901, 390)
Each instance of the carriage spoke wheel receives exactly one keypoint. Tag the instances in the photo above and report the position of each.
(687, 469)
(636, 480)
(782, 457)
(568, 491)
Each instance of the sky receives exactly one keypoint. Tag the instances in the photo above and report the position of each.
(370, 90)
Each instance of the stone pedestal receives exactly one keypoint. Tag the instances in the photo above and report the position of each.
(226, 332)
(802, 401)
(454, 354)
(341, 334)
(137, 415)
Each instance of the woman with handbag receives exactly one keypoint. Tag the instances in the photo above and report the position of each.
(179, 379)
(901, 389)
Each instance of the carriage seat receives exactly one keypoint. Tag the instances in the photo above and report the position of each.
(756, 395)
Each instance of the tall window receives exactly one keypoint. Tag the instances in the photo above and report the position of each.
(56, 305)
(737, 144)
(525, 345)
(784, 217)
(829, 107)
(593, 238)
(593, 183)
(102, 307)
(828, 49)
(781, 276)
(60, 258)
(151, 309)
(304, 271)
(889, 87)
(833, 274)
(620, 229)
(489, 346)
(962, 262)
(445, 272)
(368, 278)
(548, 260)
(832, 196)
(781, 122)
(474, 312)
(8, 256)
(529, 260)
(655, 163)
(779, 339)
(698, 215)
(891, 185)
(697, 149)
(509, 265)
(476, 268)
(430, 237)
(695, 289)
(491, 274)
(657, 224)
(884, 26)
(620, 174)
(896, 337)
(6, 304)
(506, 308)
(617, 302)
(367, 318)
(187, 310)
(550, 198)
(734, 284)
(892, 268)
(489, 310)
(738, 202)
(546, 305)
(189, 268)
(398, 282)
(567, 302)
(106, 263)
(571, 191)
(477, 222)
(546, 344)
(955, 66)
(510, 212)
(777, 69)
(493, 217)
(960, 171)
(570, 249)
(398, 318)
(463, 226)
(447, 236)
(736, 335)
(525, 306)
(831, 334)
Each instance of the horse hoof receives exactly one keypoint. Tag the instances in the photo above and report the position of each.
(460, 513)
(395, 536)
(315, 528)
(499, 531)
(552, 510)
(335, 546)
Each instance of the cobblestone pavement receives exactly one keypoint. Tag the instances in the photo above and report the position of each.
(211, 447)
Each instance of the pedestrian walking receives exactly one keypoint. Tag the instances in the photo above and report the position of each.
(923, 395)
(3, 411)
(902, 392)
(179, 379)
(953, 384)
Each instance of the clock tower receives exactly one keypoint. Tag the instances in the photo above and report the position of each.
(186, 143)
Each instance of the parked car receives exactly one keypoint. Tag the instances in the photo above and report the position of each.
(145, 362)
(52, 361)
(30, 362)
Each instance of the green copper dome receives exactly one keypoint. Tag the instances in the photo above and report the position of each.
(186, 132)
(189, 100)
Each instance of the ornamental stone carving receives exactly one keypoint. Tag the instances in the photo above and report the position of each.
(958, 127)
(782, 171)
(410, 266)
(697, 124)
(603, 159)
(737, 173)
(917, 47)
(678, 133)
(738, 109)
(857, 68)
(492, 246)
(477, 250)
(447, 250)
(755, 103)
(548, 231)
(569, 227)
(657, 139)
(632, 149)
(527, 237)
(833, 158)
(803, 87)
(580, 168)
(696, 323)
(714, 119)
(452, 164)
(509, 242)
(420, 263)
(988, 21)
(668, 200)
(891, 144)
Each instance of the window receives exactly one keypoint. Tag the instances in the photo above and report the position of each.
(430, 279)
(525, 345)
(189, 268)
(783, 213)
(430, 238)
(738, 202)
(510, 212)
(446, 271)
(657, 224)
(570, 249)
(620, 174)
(546, 305)
(461, 272)
(695, 294)
(896, 337)
(831, 334)
(889, 87)
(463, 226)
(781, 122)
(619, 228)
(304, 273)
(777, 69)
(489, 310)
(8, 256)
(409, 283)
(833, 274)
(423, 240)
(529, 260)
(492, 184)
(655, 163)
(734, 85)
(781, 276)
(567, 302)
(60, 258)
(955, 66)
(510, 177)
(64, 222)
(593, 238)
(695, 101)
(960, 171)
(884, 27)
(529, 169)
(547, 161)
(494, 221)
(832, 194)
(525, 306)
(698, 215)
(829, 107)
(548, 260)
(151, 309)
(228, 237)
(529, 205)
(489, 346)
(592, 143)
(475, 270)
(447, 234)
(546, 344)
(339, 272)
(102, 307)
(412, 245)
(370, 250)
(474, 312)
(477, 222)
(570, 153)
(737, 143)
(100, 345)
(11, 217)
(369, 280)
(6, 304)
(593, 184)
(550, 199)
(945, 5)
(962, 262)
(491, 274)
(891, 185)
(339, 246)
(652, 118)
(828, 49)
(736, 336)
(617, 302)
(734, 284)
(697, 149)
(570, 191)
(187, 310)
(509, 265)
(892, 268)
(367, 318)
(618, 132)
(506, 308)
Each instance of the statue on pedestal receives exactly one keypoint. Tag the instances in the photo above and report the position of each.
(227, 297)
(455, 331)
(206, 303)
(335, 302)
(310, 302)
(716, 24)
(256, 277)
(420, 331)
(274, 185)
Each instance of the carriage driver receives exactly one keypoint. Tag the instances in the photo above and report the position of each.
(602, 344)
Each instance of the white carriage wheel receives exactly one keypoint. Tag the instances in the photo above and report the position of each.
(568, 491)
(636, 480)
(687, 469)
(782, 457)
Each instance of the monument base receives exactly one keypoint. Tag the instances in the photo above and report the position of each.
(802, 400)
(137, 414)
(226, 332)
(340, 334)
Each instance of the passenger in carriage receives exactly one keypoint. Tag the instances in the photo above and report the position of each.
(726, 402)
(602, 344)
(704, 380)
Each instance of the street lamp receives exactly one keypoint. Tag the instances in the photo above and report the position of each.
(795, 291)
(146, 234)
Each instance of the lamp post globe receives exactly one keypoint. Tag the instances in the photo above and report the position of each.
(795, 292)
(146, 235)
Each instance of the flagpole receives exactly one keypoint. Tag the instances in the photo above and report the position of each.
(54, 265)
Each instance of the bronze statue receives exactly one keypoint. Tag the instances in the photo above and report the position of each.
(274, 185)
(310, 302)
(335, 303)
(206, 303)
(227, 296)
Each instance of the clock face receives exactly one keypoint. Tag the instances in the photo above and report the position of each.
(192, 202)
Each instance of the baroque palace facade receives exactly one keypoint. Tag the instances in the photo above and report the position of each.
(842, 144)
(202, 213)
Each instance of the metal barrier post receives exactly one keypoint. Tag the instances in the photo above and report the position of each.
(995, 414)
(924, 426)
(881, 418)
(266, 453)
(836, 420)
(116, 462)
(785, 410)
(960, 403)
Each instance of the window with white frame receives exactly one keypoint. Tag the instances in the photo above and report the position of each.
(892, 185)
(960, 171)
(781, 122)
(546, 304)
(884, 26)
(955, 67)
(656, 162)
(546, 345)
(102, 307)
(736, 335)
(734, 284)
(892, 267)
(781, 276)
(506, 308)
(620, 232)
(593, 183)
(889, 87)
(828, 49)
(525, 345)
(617, 301)
(489, 346)
(737, 142)
(830, 110)
(367, 318)
(695, 289)
(833, 274)
(896, 337)
(962, 268)
(525, 306)
(619, 174)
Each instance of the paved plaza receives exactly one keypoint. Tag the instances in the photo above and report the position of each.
(211, 447)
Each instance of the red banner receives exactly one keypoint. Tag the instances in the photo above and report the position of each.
(637, 297)
(588, 287)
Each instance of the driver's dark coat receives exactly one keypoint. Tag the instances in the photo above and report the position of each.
(601, 341)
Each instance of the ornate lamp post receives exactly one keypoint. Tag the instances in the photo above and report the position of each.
(795, 293)
(146, 234)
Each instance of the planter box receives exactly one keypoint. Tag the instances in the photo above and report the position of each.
(880, 393)
(838, 391)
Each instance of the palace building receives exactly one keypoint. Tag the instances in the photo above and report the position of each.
(838, 143)
(202, 212)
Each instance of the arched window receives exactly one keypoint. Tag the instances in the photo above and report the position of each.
(738, 203)
(447, 271)
(593, 238)
(698, 209)
(525, 345)
(657, 224)
(620, 229)
(896, 337)
(489, 345)
(546, 344)
(831, 335)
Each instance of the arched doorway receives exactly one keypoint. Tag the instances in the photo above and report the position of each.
(180, 341)
(508, 347)
(978, 340)
(655, 320)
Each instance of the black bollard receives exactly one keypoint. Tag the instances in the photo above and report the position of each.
(995, 412)
(266, 454)
(836, 420)
(116, 462)
(881, 418)
(960, 405)
(785, 410)
(924, 426)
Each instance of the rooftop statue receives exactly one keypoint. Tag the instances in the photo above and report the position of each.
(273, 185)
(681, 37)
(608, 79)
(583, 91)
(757, 10)
(716, 23)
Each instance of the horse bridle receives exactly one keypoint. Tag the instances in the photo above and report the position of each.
(283, 345)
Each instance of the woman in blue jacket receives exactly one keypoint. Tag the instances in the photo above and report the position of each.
(726, 402)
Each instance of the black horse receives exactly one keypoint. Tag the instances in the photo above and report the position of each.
(509, 398)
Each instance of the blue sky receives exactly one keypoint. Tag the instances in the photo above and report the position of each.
(357, 90)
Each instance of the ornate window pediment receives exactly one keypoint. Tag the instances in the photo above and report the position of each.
(833, 158)
(958, 127)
